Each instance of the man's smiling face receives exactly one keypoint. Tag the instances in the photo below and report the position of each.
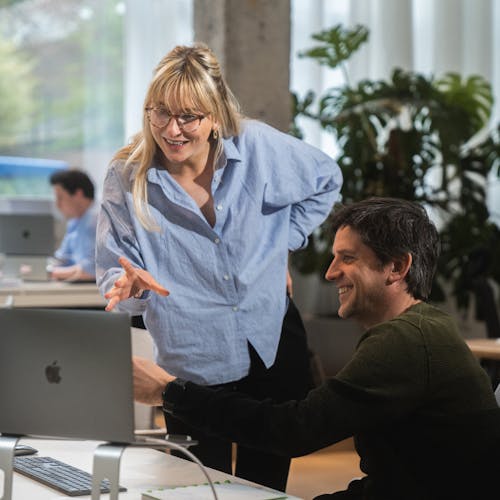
(360, 278)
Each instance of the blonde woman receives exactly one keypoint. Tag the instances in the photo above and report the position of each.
(204, 206)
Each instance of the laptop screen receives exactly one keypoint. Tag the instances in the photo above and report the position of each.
(66, 373)
(27, 234)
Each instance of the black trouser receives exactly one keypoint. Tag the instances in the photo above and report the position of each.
(289, 378)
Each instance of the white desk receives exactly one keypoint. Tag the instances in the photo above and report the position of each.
(51, 294)
(140, 469)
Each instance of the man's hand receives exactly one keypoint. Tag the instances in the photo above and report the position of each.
(149, 381)
(130, 283)
(70, 273)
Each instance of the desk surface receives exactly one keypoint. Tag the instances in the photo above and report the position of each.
(140, 469)
(51, 294)
(485, 348)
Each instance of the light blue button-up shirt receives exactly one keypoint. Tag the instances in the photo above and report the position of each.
(227, 283)
(78, 244)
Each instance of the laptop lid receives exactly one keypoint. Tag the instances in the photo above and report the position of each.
(27, 234)
(66, 373)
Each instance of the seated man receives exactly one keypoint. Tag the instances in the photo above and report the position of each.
(75, 258)
(421, 409)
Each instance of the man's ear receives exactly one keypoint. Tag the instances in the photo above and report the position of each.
(400, 267)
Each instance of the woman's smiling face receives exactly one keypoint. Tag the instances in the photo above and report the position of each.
(181, 147)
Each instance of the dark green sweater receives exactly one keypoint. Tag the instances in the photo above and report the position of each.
(420, 407)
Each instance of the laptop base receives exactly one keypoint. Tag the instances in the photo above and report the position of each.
(107, 466)
(7, 450)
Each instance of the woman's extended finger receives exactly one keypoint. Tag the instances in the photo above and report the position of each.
(160, 290)
(112, 303)
(113, 292)
(127, 265)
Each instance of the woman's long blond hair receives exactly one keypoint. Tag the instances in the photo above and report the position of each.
(187, 78)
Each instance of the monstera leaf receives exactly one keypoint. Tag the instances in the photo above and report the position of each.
(473, 95)
(338, 45)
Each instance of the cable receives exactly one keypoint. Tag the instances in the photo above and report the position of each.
(182, 449)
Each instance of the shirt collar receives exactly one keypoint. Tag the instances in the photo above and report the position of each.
(230, 149)
(230, 153)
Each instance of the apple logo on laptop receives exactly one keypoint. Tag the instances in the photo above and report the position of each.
(52, 373)
(26, 234)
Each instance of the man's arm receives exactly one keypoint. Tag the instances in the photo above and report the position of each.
(70, 273)
(294, 428)
(149, 381)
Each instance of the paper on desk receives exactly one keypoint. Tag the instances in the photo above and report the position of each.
(225, 491)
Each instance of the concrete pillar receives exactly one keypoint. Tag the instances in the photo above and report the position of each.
(251, 39)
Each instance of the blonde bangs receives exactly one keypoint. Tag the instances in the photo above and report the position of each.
(184, 93)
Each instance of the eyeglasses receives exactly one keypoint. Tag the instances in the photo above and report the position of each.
(159, 117)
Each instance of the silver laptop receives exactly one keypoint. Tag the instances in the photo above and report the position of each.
(25, 267)
(66, 373)
(27, 234)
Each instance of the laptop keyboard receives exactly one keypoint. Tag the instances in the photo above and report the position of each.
(58, 475)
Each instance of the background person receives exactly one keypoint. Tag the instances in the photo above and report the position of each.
(74, 195)
(420, 407)
(210, 204)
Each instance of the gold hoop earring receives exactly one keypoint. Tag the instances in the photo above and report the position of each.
(215, 134)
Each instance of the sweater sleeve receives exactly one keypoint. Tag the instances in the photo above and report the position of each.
(294, 428)
(372, 389)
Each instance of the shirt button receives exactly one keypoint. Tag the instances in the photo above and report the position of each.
(217, 241)
(235, 308)
(218, 207)
(226, 277)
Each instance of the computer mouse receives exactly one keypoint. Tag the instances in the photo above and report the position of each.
(24, 449)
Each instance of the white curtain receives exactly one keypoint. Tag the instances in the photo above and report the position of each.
(428, 36)
(152, 28)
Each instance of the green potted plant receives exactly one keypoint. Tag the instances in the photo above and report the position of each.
(415, 137)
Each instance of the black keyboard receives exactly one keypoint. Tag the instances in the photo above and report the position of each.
(63, 477)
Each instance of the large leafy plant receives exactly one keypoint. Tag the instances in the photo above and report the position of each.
(415, 137)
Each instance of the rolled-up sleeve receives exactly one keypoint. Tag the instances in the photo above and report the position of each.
(116, 236)
(319, 195)
(304, 178)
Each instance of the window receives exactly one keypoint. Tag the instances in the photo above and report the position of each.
(61, 93)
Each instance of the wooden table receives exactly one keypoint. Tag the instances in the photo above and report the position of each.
(485, 348)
